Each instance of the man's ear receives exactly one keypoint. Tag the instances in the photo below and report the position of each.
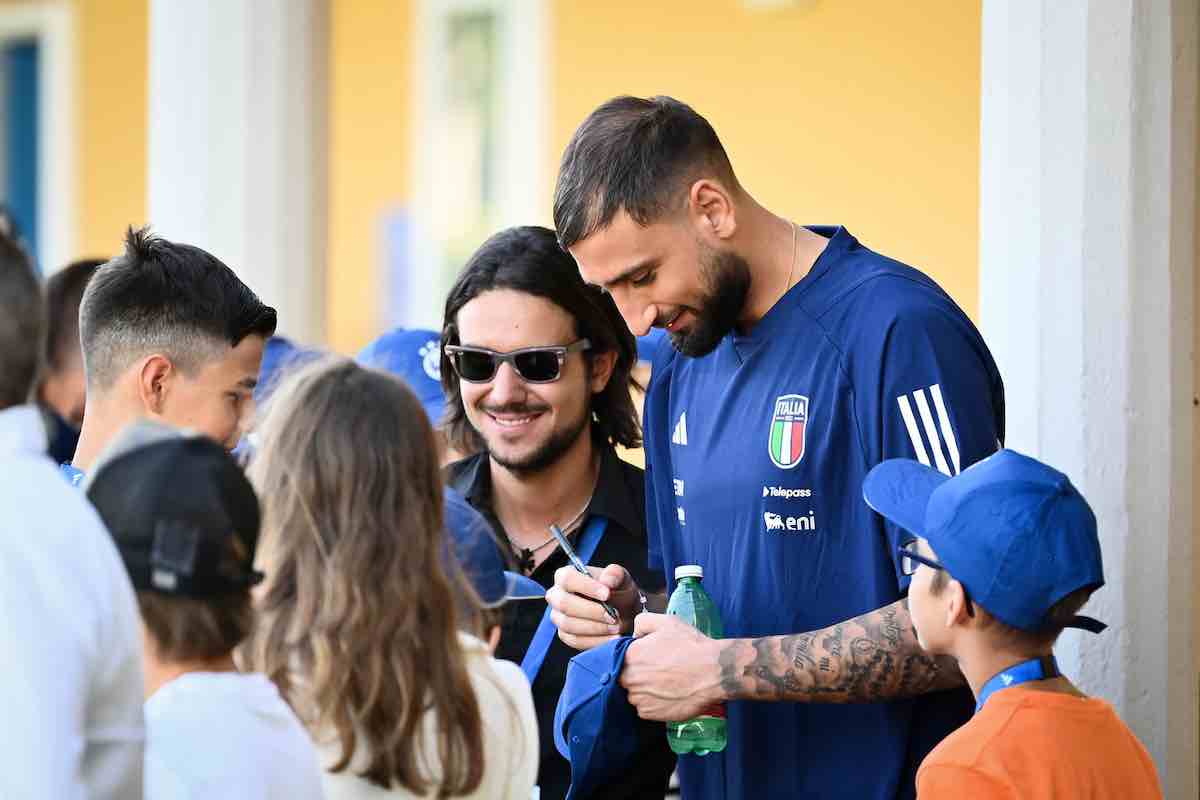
(956, 604)
(602, 370)
(712, 210)
(154, 382)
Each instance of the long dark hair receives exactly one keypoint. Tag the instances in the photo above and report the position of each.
(528, 259)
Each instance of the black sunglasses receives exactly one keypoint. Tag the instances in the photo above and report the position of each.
(910, 559)
(533, 364)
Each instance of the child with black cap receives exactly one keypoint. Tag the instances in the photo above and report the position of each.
(185, 520)
(1004, 556)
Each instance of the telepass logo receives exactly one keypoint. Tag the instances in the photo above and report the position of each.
(786, 445)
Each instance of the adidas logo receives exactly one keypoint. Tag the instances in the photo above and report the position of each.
(1006, 678)
(679, 436)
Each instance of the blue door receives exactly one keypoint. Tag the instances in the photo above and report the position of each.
(19, 68)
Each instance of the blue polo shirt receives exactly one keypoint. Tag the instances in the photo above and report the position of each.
(756, 455)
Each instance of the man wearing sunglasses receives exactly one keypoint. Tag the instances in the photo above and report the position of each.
(536, 367)
(800, 359)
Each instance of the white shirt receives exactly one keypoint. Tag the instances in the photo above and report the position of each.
(510, 737)
(70, 638)
(227, 735)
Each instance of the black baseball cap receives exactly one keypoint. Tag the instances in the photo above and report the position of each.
(172, 505)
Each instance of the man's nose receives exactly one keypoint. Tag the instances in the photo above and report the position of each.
(638, 316)
(507, 386)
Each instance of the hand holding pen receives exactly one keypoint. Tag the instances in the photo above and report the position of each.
(580, 567)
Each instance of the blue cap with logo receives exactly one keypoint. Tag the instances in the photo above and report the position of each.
(595, 727)
(476, 553)
(415, 355)
(1011, 529)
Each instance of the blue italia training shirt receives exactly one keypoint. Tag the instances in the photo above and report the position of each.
(756, 455)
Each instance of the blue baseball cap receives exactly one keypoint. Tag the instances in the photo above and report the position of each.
(474, 548)
(595, 727)
(415, 355)
(1011, 529)
(280, 356)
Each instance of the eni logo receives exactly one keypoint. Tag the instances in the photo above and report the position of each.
(786, 524)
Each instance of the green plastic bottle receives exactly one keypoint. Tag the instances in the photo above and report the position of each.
(706, 733)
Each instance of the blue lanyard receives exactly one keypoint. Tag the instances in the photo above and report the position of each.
(531, 664)
(1035, 669)
(75, 476)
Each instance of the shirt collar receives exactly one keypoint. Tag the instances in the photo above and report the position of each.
(22, 430)
(614, 498)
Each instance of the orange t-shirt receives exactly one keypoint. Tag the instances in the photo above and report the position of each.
(1037, 745)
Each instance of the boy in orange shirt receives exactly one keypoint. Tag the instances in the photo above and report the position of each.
(1005, 555)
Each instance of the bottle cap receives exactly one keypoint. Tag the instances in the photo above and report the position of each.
(689, 571)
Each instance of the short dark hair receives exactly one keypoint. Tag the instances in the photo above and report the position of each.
(21, 323)
(634, 154)
(188, 629)
(528, 259)
(64, 291)
(159, 295)
(1055, 623)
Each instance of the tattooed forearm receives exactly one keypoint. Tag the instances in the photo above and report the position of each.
(730, 673)
(869, 658)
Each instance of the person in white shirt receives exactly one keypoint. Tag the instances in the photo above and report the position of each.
(69, 642)
(362, 618)
(186, 520)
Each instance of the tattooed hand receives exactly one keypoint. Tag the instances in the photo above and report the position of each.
(670, 672)
(867, 659)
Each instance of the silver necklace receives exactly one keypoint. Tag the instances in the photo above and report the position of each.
(792, 270)
(525, 555)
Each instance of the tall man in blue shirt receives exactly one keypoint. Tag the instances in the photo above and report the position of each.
(801, 359)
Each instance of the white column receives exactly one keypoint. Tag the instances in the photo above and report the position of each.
(237, 149)
(1087, 263)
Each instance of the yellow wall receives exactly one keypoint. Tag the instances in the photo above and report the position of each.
(369, 140)
(370, 95)
(858, 112)
(112, 38)
(861, 112)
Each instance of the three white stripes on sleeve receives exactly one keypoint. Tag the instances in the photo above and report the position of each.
(931, 429)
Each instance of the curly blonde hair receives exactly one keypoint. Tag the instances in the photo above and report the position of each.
(359, 617)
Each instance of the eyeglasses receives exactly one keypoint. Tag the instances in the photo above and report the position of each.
(533, 364)
(910, 559)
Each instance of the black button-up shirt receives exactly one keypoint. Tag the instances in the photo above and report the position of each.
(620, 498)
